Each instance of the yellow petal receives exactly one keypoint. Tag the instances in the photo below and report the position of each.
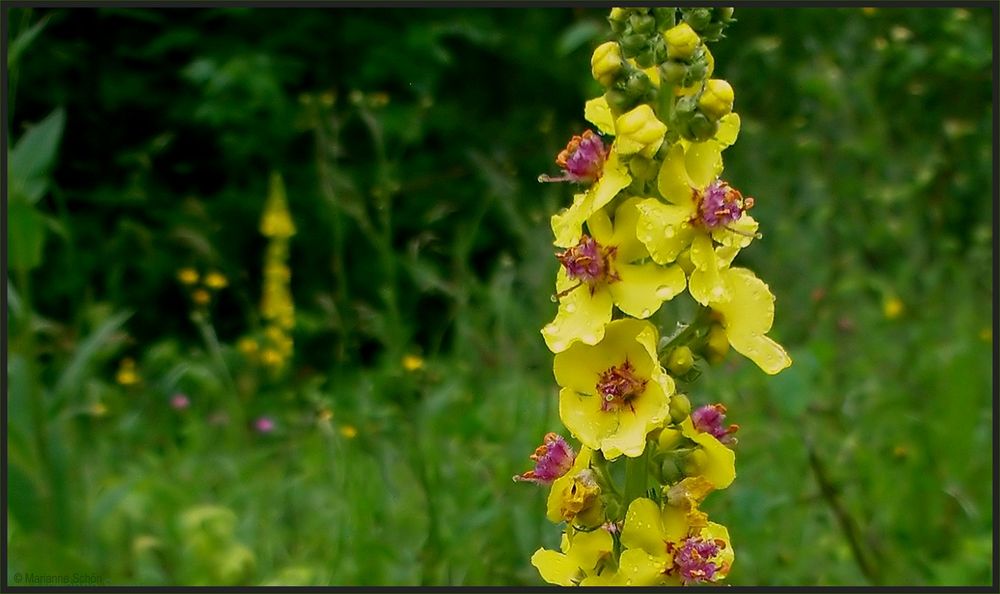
(554, 502)
(567, 225)
(555, 568)
(613, 180)
(703, 161)
(582, 415)
(578, 366)
(643, 529)
(720, 465)
(673, 181)
(706, 284)
(738, 233)
(729, 129)
(664, 229)
(598, 112)
(624, 239)
(582, 315)
(674, 522)
(748, 316)
(647, 411)
(599, 225)
(642, 288)
(724, 559)
(588, 548)
(638, 568)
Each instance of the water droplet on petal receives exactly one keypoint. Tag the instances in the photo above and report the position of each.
(717, 291)
(669, 232)
(646, 313)
(553, 298)
(570, 307)
(664, 292)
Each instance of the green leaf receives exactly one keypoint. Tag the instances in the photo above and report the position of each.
(21, 43)
(577, 35)
(72, 378)
(32, 157)
(26, 235)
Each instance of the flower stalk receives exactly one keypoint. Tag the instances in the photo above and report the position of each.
(652, 220)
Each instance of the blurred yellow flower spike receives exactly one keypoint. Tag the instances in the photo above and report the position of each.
(127, 374)
(216, 280)
(348, 431)
(277, 221)
(412, 363)
(187, 276)
(892, 308)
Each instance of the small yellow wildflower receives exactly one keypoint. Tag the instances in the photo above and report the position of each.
(892, 308)
(201, 296)
(98, 409)
(325, 415)
(747, 312)
(681, 42)
(412, 363)
(216, 280)
(582, 557)
(348, 431)
(717, 99)
(127, 375)
(606, 63)
(248, 346)
(271, 357)
(187, 276)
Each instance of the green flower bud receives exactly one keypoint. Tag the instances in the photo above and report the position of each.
(725, 14)
(637, 84)
(643, 24)
(680, 407)
(606, 64)
(702, 128)
(680, 361)
(665, 18)
(618, 100)
(668, 439)
(670, 472)
(617, 19)
(673, 72)
(632, 44)
(644, 59)
(693, 463)
(681, 42)
(698, 18)
(642, 168)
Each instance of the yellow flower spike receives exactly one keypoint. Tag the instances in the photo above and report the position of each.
(639, 131)
(187, 276)
(615, 392)
(276, 221)
(248, 346)
(747, 316)
(716, 99)
(606, 63)
(682, 41)
(719, 463)
(201, 296)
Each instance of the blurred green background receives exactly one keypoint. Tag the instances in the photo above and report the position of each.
(409, 141)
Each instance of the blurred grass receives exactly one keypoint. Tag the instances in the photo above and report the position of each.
(866, 142)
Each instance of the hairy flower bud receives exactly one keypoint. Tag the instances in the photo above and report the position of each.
(717, 99)
(606, 63)
(681, 42)
(680, 407)
(717, 345)
(680, 361)
(639, 131)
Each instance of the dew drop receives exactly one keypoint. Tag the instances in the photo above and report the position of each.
(664, 292)
(669, 232)
(553, 298)
(717, 291)
(645, 313)
(570, 307)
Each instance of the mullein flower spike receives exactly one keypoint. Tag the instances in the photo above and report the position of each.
(654, 218)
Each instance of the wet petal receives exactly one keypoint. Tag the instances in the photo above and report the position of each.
(614, 179)
(706, 284)
(703, 161)
(599, 225)
(598, 113)
(642, 288)
(588, 548)
(643, 529)
(624, 238)
(738, 233)
(639, 568)
(673, 181)
(555, 568)
(664, 229)
(647, 411)
(748, 316)
(567, 225)
(582, 315)
(583, 416)
(720, 465)
(729, 129)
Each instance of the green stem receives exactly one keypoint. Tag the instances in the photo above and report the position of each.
(636, 478)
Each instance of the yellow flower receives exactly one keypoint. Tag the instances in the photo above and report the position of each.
(747, 313)
(575, 496)
(639, 131)
(702, 210)
(892, 308)
(271, 357)
(717, 99)
(679, 541)
(681, 42)
(412, 363)
(714, 461)
(187, 276)
(216, 280)
(615, 392)
(582, 556)
(606, 63)
(608, 267)
(276, 221)
(348, 431)
(248, 346)
(201, 296)
(127, 375)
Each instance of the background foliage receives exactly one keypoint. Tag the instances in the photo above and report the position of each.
(142, 140)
